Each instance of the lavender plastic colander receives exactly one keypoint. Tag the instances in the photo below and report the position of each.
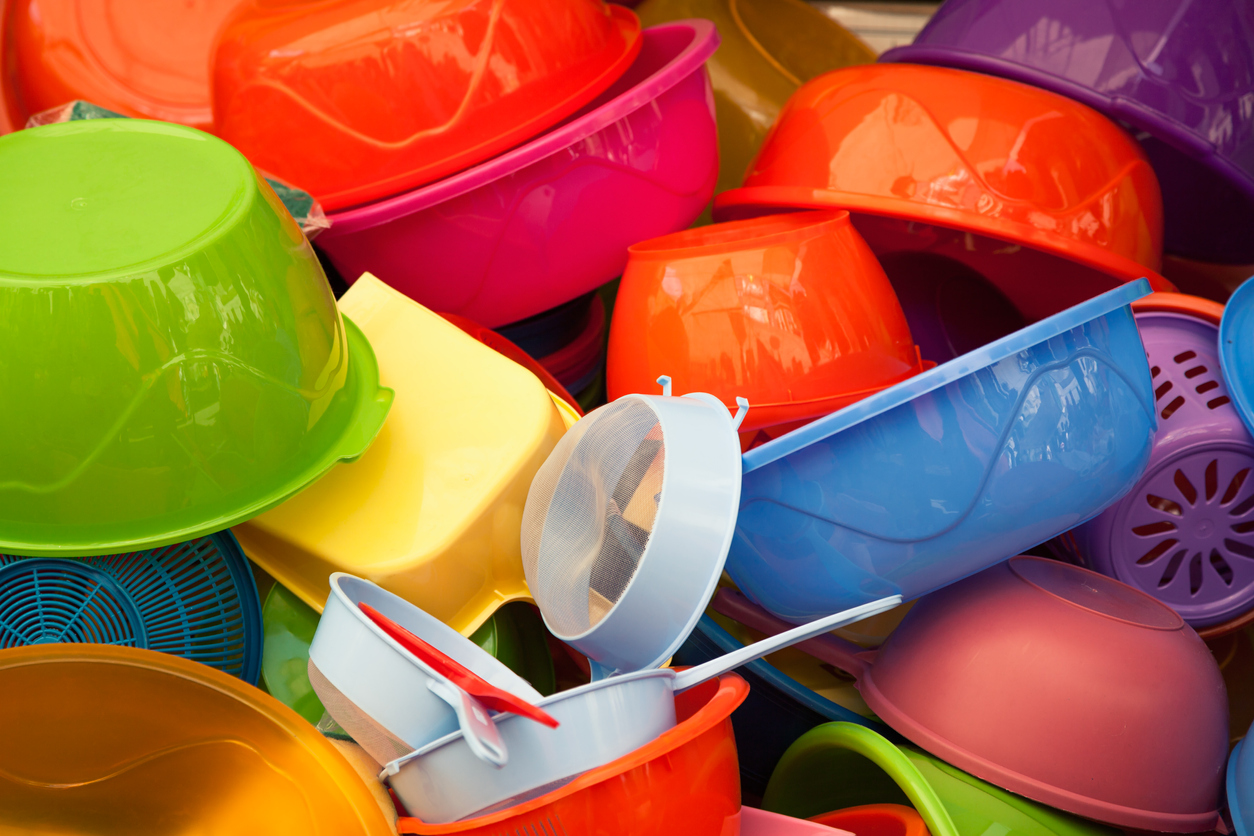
(1180, 73)
(1185, 533)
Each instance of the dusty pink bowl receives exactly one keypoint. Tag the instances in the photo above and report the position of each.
(552, 219)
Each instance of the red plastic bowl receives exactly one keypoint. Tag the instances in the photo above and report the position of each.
(1064, 686)
(686, 781)
(141, 58)
(356, 101)
(949, 172)
(792, 312)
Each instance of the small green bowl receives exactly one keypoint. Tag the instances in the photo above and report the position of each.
(172, 361)
(840, 765)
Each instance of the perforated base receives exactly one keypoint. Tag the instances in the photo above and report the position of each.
(195, 599)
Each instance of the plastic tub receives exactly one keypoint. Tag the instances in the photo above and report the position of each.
(688, 774)
(817, 774)
(308, 89)
(919, 156)
(114, 740)
(552, 219)
(1236, 351)
(196, 599)
(174, 362)
(144, 58)
(951, 471)
(1175, 74)
(777, 711)
(769, 48)
(1183, 534)
(433, 511)
(792, 312)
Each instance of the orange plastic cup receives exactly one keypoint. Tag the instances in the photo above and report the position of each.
(364, 99)
(142, 58)
(792, 312)
(1040, 195)
(687, 780)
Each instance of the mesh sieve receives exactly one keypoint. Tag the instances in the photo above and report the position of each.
(378, 742)
(590, 512)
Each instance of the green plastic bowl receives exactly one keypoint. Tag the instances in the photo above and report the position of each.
(171, 361)
(840, 765)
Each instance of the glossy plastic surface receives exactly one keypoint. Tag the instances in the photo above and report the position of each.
(552, 219)
(1030, 636)
(123, 742)
(841, 765)
(1240, 789)
(876, 820)
(769, 48)
(307, 89)
(688, 774)
(1046, 199)
(758, 822)
(142, 58)
(777, 711)
(195, 599)
(1182, 534)
(503, 346)
(174, 362)
(432, 512)
(792, 312)
(1236, 350)
(952, 470)
(1178, 74)
(290, 625)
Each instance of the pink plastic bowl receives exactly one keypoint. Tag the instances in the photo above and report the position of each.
(552, 219)
(1065, 686)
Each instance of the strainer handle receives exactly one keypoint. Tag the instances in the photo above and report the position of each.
(833, 650)
(731, 661)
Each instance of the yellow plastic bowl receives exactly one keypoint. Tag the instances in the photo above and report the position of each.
(769, 49)
(433, 510)
(113, 740)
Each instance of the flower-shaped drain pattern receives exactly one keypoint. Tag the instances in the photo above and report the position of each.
(1192, 527)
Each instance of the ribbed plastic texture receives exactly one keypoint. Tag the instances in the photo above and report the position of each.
(195, 599)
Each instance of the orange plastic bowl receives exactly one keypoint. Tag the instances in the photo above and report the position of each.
(1043, 197)
(359, 100)
(790, 311)
(876, 820)
(686, 781)
(115, 740)
(142, 58)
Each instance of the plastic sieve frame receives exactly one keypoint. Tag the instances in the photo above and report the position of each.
(691, 536)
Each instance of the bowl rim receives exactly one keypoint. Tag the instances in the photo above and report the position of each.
(704, 41)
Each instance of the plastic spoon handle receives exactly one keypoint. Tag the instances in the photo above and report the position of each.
(477, 727)
(834, 650)
(695, 676)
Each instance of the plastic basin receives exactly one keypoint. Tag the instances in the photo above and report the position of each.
(950, 471)
(175, 362)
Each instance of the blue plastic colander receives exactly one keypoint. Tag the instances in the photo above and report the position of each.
(195, 599)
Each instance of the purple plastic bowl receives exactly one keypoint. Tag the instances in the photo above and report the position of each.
(552, 219)
(1185, 533)
(1180, 74)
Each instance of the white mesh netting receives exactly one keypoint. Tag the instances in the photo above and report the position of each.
(589, 514)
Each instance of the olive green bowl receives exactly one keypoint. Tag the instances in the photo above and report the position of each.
(172, 361)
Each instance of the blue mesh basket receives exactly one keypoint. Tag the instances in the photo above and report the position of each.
(195, 599)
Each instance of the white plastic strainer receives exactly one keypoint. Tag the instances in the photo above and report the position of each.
(628, 523)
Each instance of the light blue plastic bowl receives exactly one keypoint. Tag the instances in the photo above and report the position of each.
(1240, 789)
(951, 471)
(1236, 350)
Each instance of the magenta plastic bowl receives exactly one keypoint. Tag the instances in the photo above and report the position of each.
(552, 219)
